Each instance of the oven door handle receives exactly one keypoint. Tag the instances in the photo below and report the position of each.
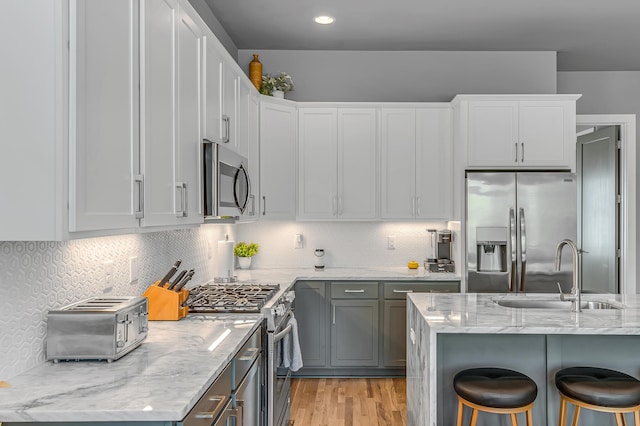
(284, 332)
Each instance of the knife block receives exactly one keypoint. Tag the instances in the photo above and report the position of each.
(166, 305)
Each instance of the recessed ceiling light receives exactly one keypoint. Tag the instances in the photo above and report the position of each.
(324, 19)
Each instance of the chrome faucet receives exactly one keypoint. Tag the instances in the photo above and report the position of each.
(576, 289)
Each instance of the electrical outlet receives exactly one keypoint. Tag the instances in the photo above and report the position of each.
(107, 274)
(134, 270)
(391, 242)
(297, 241)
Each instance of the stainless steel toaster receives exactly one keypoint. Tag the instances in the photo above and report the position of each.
(101, 328)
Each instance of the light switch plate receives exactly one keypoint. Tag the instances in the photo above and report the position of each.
(134, 271)
(297, 241)
(107, 275)
(391, 242)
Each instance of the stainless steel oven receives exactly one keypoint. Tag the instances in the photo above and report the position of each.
(278, 377)
(227, 185)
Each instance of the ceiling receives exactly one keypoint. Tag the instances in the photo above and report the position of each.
(589, 35)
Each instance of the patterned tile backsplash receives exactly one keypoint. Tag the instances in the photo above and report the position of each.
(38, 276)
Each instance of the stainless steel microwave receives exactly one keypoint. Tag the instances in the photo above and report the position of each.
(227, 186)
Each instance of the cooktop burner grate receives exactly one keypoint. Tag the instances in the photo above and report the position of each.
(230, 298)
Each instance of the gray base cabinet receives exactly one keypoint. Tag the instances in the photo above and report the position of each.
(354, 333)
(356, 328)
(311, 314)
(394, 332)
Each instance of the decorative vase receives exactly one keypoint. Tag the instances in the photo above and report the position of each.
(255, 72)
(244, 262)
(278, 94)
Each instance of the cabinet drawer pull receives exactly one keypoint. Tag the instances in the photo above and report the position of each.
(516, 159)
(354, 291)
(264, 205)
(522, 145)
(333, 313)
(395, 290)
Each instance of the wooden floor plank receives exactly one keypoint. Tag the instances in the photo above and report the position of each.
(348, 402)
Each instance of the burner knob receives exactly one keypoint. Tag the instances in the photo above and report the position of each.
(280, 310)
(290, 296)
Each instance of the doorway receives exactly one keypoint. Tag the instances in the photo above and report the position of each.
(598, 168)
(606, 156)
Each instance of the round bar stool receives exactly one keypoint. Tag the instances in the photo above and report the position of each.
(598, 389)
(494, 390)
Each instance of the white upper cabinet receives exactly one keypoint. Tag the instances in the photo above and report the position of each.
(229, 104)
(416, 163)
(188, 151)
(212, 108)
(171, 64)
(518, 131)
(104, 182)
(434, 163)
(248, 142)
(337, 163)
(278, 124)
(158, 110)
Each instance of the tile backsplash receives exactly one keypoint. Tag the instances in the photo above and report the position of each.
(38, 276)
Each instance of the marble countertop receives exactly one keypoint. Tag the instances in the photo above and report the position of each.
(290, 275)
(478, 313)
(163, 378)
(160, 380)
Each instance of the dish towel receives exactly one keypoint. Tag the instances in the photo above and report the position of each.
(291, 354)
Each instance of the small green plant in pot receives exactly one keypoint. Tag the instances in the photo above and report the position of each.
(276, 84)
(245, 251)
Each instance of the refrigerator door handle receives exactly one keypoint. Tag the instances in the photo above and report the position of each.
(523, 247)
(512, 237)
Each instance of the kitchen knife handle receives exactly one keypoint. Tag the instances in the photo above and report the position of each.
(185, 280)
(177, 280)
(170, 274)
(139, 180)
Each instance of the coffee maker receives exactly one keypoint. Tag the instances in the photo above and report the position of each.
(439, 251)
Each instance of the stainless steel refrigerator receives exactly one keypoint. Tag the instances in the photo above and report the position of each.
(514, 222)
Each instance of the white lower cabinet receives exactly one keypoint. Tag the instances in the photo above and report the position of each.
(337, 163)
(277, 159)
(416, 163)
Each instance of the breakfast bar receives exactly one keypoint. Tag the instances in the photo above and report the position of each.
(447, 333)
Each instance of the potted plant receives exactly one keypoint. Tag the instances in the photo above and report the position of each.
(245, 251)
(276, 85)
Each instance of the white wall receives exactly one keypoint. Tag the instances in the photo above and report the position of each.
(36, 277)
(606, 92)
(406, 76)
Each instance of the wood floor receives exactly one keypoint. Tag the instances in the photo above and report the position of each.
(348, 402)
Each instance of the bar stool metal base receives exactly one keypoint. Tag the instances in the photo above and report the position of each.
(617, 411)
(477, 408)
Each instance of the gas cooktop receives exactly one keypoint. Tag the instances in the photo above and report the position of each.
(230, 298)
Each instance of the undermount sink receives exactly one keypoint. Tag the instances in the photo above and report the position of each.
(552, 304)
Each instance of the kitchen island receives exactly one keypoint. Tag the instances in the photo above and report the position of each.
(450, 332)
